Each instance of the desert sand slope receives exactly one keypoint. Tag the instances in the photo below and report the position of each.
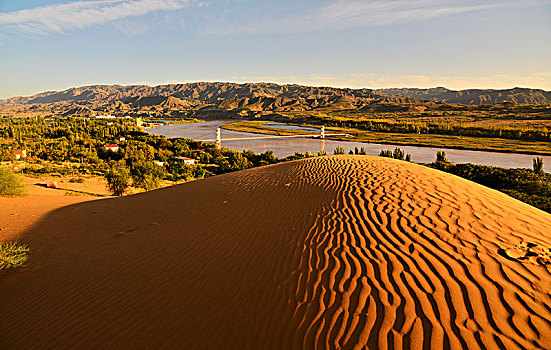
(331, 252)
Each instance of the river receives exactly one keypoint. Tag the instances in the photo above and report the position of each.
(286, 147)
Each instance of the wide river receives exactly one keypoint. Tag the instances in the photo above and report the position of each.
(288, 146)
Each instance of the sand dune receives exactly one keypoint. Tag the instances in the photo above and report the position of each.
(18, 214)
(332, 252)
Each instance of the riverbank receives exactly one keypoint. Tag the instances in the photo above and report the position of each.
(421, 140)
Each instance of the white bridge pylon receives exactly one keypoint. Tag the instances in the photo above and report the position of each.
(321, 135)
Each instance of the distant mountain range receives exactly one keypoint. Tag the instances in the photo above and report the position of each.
(202, 98)
(194, 93)
(475, 96)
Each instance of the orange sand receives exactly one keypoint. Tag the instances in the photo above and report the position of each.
(18, 214)
(330, 252)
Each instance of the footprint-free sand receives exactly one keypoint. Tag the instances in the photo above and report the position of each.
(328, 252)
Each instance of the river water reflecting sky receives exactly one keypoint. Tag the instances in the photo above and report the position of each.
(288, 146)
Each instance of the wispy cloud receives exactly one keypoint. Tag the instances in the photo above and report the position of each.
(347, 14)
(81, 14)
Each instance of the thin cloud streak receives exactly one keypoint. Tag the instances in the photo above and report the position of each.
(81, 14)
(348, 14)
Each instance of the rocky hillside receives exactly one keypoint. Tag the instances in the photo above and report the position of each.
(203, 93)
(475, 96)
(215, 100)
(196, 99)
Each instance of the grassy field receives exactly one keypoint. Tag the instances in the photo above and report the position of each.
(426, 140)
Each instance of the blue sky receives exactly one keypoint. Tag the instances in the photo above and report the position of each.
(57, 44)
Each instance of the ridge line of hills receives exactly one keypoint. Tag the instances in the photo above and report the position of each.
(475, 96)
(206, 92)
(206, 97)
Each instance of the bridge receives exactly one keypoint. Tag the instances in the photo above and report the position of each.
(321, 135)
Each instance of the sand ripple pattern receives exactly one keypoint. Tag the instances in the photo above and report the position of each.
(337, 252)
(408, 257)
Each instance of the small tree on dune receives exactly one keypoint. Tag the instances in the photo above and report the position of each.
(441, 157)
(117, 177)
(398, 154)
(538, 166)
(338, 150)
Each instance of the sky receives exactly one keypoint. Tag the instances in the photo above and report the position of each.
(459, 44)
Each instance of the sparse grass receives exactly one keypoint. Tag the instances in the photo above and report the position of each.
(73, 193)
(10, 185)
(13, 254)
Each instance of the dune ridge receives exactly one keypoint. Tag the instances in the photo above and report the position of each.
(330, 252)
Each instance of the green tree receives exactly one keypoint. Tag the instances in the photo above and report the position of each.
(338, 150)
(238, 161)
(147, 175)
(180, 170)
(117, 177)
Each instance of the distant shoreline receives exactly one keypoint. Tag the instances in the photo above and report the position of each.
(253, 127)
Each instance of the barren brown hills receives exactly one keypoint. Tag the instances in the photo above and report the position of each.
(205, 99)
(327, 252)
(190, 99)
(203, 92)
(475, 96)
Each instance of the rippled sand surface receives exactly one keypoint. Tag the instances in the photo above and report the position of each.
(330, 252)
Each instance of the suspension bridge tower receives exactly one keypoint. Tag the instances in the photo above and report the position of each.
(218, 138)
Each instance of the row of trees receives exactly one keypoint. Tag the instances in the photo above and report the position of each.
(145, 175)
(437, 127)
(398, 153)
(537, 163)
(532, 186)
